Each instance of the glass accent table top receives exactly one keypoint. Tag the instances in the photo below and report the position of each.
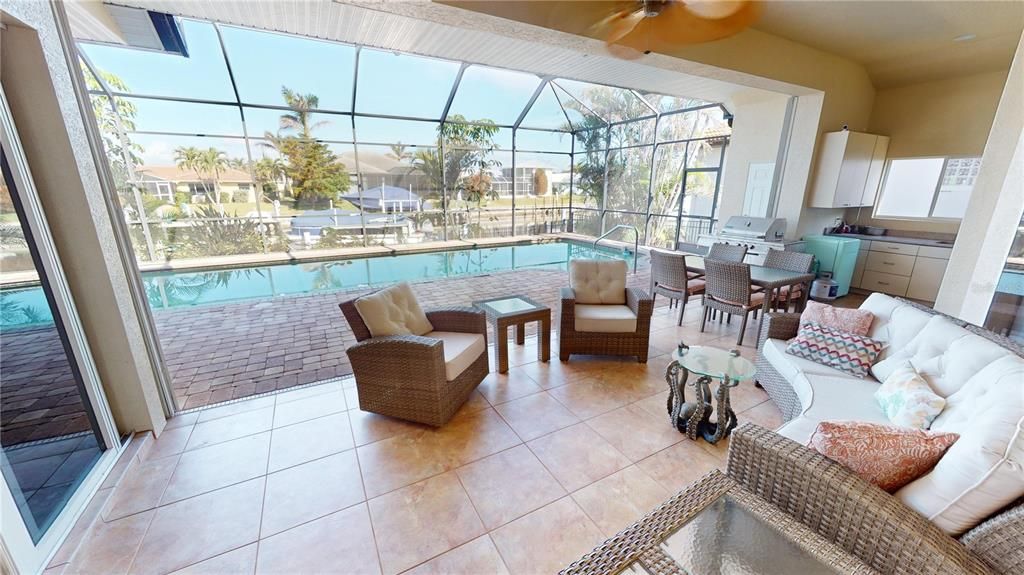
(714, 362)
(726, 538)
(509, 305)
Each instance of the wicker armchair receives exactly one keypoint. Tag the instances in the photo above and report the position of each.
(404, 376)
(728, 292)
(863, 519)
(670, 279)
(599, 332)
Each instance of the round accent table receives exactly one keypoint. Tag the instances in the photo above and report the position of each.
(708, 363)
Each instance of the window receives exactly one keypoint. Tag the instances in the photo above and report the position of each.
(927, 187)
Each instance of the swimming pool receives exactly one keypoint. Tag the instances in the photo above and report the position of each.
(167, 290)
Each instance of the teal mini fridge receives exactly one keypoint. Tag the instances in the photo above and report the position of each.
(835, 257)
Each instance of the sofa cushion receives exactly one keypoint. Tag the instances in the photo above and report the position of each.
(856, 321)
(895, 324)
(888, 456)
(834, 398)
(393, 311)
(982, 472)
(907, 400)
(460, 350)
(605, 318)
(945, 354)
(847, 352)
(598, 281)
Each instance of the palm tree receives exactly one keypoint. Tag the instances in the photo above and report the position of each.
(400, 152)
(214, 162)
(189, 158)
(269, 170)
(301, 115)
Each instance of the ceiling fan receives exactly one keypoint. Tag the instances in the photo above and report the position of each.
(631, 28)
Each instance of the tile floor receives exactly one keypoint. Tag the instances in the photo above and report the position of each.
(539, 466)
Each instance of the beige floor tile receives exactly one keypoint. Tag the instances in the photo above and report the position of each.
(577, 456)
(292, 412)
(108, 548)
(218, 466)
(635, 432)
(618, 500)
(504, 387)
(478, 557)
(656, 405)
(352, 398)
(141, 488)
(536, 415)
(309, 440)
(766, 415)
(369, 427)
(231, 427)
(82, 527)
(474, 403)
(235, 408)
(422, 521)
(470, 437)
(235, 562)
(311, 490)
(171, 442)
(508, 485)
(308, 391)
(680, 465)
(745, 396)
(719, 451)
(196, 529)
(548, 375)
(548, 539)
(340, 543)
(182, 420)
(590, 397)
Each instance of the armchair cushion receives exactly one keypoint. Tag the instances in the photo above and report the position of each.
(598, 281)
(460, 350)
(605, 318)
(393, 311)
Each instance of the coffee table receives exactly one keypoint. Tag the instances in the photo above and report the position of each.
(516, 310)
(715, 527)
(709, 363)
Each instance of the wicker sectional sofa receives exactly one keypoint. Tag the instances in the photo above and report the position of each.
(964, 516)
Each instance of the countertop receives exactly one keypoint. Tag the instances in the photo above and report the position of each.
(900, 240)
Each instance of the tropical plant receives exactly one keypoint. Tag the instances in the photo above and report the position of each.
(213, 162)
(540, 181)
(268, 172)
(190, 158)
(300, 118)
(400, 152)
(216, 235)
(115, 127)
(314, 171)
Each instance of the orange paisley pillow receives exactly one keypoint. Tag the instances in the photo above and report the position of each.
(888, 456)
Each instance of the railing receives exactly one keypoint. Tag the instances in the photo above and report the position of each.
(636, 240)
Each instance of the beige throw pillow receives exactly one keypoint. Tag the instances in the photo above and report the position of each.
(393, 311)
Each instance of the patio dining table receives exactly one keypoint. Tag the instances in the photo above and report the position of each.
(772, 280)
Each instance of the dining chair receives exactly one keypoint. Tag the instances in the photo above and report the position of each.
(689, 248)
(670, 279)
(727, 253)
(727, 291)
(792, 262)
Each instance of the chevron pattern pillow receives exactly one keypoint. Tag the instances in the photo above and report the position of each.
(846, 352)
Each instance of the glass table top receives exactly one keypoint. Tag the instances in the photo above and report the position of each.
(508, 305)
(726, 539)
(714, 362)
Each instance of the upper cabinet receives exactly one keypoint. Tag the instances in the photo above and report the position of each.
(850, 167)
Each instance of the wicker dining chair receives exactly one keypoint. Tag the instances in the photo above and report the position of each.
(405, 376)
(793, 262)
(670, 279)
(690, 248)
(727, 291)
(727, 253)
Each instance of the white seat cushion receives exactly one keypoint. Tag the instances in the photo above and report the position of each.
(598, 281)
(895, 323)
(605, 318)
(460, 350)
(836, 399)
(393, 311)
(945, 354)
(984, 470)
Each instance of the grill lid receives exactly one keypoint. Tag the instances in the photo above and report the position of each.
(769, 229)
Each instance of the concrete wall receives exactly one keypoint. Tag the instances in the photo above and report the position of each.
(994, 212)
(37, 80)
(950, 117)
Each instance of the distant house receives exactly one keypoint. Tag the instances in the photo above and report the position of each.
(164, 181)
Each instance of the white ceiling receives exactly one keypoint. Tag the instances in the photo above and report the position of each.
(904, 42)
(430, 29)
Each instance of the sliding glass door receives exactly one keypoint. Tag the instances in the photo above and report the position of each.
(56, 434)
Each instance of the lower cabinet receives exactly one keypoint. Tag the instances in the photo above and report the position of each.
(927, 277)
(891, 284)
(914, 271)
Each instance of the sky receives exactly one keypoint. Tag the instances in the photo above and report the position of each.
(263, 62)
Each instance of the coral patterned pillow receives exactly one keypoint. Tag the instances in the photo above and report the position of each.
(907, 400)
(844, 351)
(856, 321)
(890, 457)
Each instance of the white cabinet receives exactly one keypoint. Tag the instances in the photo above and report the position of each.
(899, 269)
(858, 270)
(849, 170)
(927, 277)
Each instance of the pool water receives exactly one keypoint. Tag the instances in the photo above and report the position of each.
(166, 290)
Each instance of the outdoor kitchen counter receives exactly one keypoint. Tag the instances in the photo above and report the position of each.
(899, 240)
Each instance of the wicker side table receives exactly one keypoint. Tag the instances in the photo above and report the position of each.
(516, 310)
(715, 526)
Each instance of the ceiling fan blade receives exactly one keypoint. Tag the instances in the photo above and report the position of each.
(678, 25)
